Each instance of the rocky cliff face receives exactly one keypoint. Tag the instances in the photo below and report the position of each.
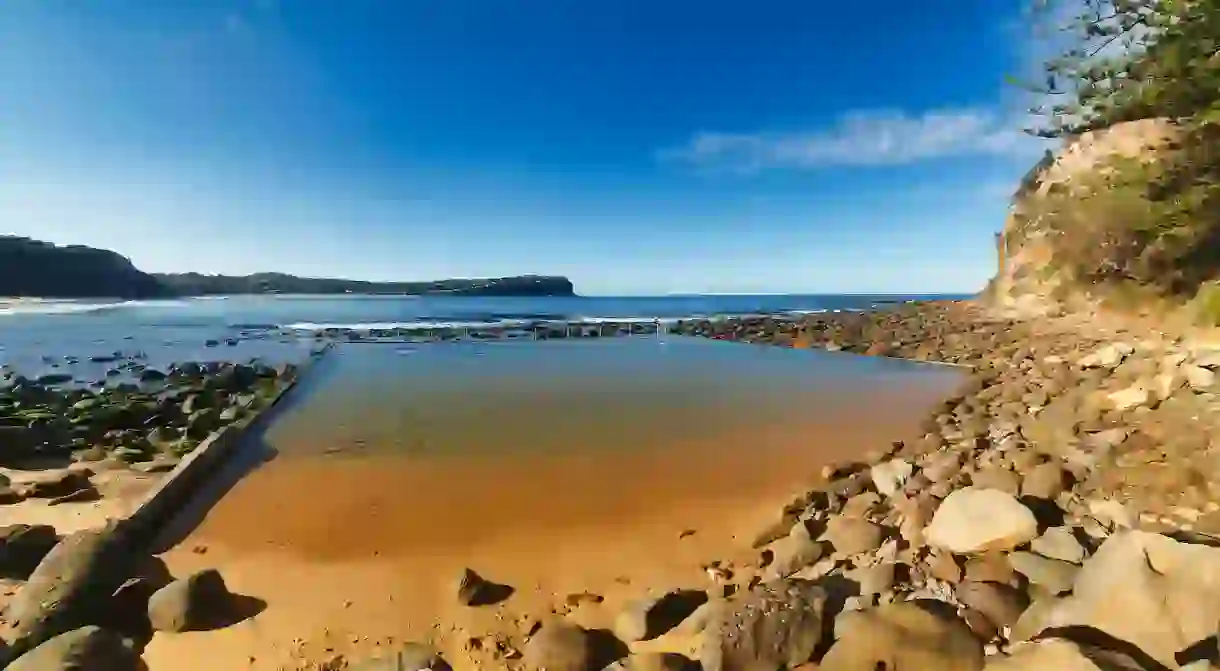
(34, 268)
(1063, 212)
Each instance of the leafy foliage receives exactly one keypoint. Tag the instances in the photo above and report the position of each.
(1129, 60)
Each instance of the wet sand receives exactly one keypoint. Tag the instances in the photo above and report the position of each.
(361, 548)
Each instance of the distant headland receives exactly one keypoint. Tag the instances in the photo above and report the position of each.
(33, 268)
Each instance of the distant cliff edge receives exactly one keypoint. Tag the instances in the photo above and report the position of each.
(32, 268)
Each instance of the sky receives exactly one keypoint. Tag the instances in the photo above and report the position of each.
(635, 146)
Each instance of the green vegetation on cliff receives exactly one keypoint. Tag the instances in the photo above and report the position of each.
(1137, 226)
(32, 268)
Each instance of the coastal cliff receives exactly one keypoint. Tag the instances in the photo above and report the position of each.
(37, 269)
(32, 268)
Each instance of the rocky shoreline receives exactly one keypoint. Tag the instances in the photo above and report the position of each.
(1056, 513)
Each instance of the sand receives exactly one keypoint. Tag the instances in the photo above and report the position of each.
(354, 554)
(121, 491)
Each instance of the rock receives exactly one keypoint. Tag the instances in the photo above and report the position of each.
(890, 476)
(57, 484)
(475, 590)
(198, 602)
(990, 567)
(1107, 356)
(23, 546)
(71, 588)
(1001, 604)
(874, 579)
(1045, 481)
(793, 552)
(559, 646)
(942, 466)
(653, 661)
(649, 618)
(1199, 378)
(1054, 576)
(996, 477)
(769, 627)
(904, 636)
(1150, 590)
(1059, 543)
(1046, 655)
(415, 656)
(1111, 513)
(942, 566)
(852, 535)
(89, 648)
(973, 520)
(1125, 399)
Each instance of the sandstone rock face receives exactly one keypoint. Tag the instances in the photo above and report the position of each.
(973, 520)
(904, 636)
(1157, 593)
(86, 649)
(770, 627)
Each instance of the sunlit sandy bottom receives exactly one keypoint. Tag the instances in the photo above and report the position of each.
(357, 550)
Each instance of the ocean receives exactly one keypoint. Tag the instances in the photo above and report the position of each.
(36, 336)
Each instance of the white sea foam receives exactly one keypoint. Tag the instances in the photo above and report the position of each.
(66, 307)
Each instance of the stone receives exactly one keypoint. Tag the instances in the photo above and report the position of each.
(904, 636)
(1001, 604)
(1107, 356)
(653, 661)
(70, 588)
(1199, 378)
(769, 627)
(997, 477)
(1131, 397)
(88, 648)
(1111, 513)
(973, 520)
(990, 567)
(942, 466)
(1052, 575)
(23, 546)
(199, 602)
(1045, 655)
(57, 484)
(874, 579)
(650, 617)
(793, 552)
(942, 566)
(475, 590)
(852, 535)
(890, 476)
(415, 656)
(1045, 481)
(1152, 591)
(1059, 543)
(559, 646)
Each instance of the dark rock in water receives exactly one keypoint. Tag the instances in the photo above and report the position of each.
(54, 378)
(415, 656)
(70, 588)
(152, 375)
(475, 590)
(211, 343)
(86, 649)
(199, 602)
(773, 626)
(23, 546)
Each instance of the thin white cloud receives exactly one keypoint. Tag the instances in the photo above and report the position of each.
(866, 138)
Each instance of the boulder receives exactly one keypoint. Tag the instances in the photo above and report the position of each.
(414, 656)
(71, 588)
(57, 484)
(89, 648)
(1044, 481)
(199, 602)
(1150, 590)
(904, 635)
(653, 661)
(890, 476)
(999, 603)
(475, 590)
(1052, 575)
(1059, 543)
(23, 546)
(973, 520)
(650, 617)
(772, 626)
(559, 646)
(852, 535)
(793, 552)
(1052, 654)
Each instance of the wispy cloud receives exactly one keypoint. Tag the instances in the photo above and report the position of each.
(866, 138)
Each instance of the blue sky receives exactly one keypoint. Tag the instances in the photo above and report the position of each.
(636, 146)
